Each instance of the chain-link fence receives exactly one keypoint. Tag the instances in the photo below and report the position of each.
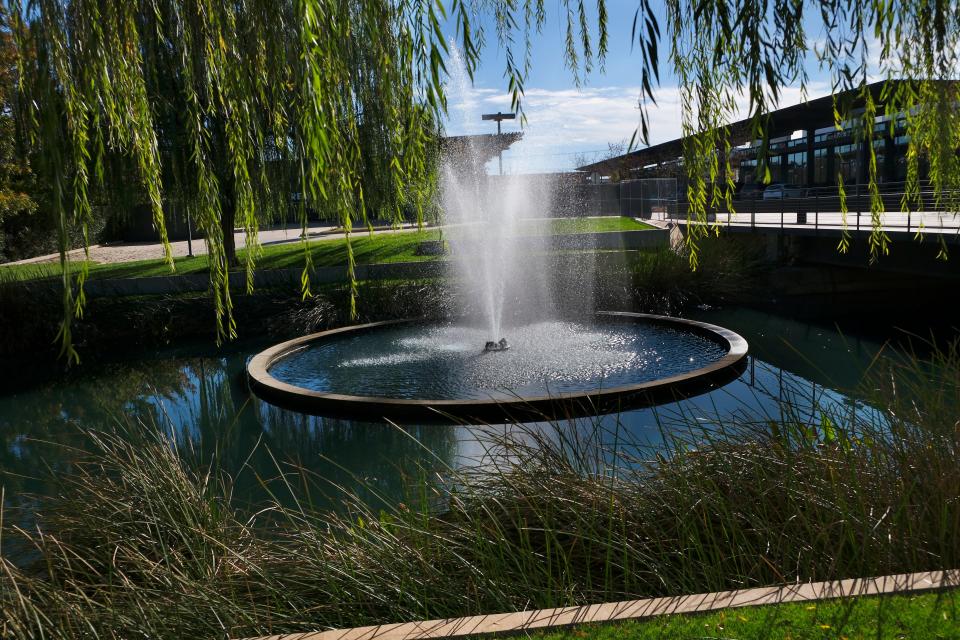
(654, 198)
(648, 198)
(568, 195)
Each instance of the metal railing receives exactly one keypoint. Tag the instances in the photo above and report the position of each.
(819, 208)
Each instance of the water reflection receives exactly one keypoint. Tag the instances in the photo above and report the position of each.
(204, 399)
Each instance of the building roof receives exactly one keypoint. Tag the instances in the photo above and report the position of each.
(482, 147)
(782, 122)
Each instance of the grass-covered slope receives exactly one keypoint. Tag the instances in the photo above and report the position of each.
(367, 249)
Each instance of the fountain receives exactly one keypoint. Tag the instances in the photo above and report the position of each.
(506, 353)
(499, 282)
(502, 345)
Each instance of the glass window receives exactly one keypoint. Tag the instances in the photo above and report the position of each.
(880, 151)
(796, 169)
(776, 168)
(820, 166)
(747, 171)
(845, 162)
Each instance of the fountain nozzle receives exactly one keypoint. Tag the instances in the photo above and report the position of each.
(503, 345)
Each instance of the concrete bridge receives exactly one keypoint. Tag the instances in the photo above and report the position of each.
(818, 212)
(807, 275)
(808, 230)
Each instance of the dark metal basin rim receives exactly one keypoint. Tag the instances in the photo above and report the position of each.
(561, 405)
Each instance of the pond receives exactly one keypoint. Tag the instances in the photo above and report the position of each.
(200, 396)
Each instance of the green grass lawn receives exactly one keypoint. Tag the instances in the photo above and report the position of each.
(563, 226)
(367, 249)
(399, 247)
(908, 617)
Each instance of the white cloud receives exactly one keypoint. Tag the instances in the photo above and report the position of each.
(566, 125)
(560, 123)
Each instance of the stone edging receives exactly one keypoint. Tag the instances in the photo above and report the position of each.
(634, 609)
(558, 405)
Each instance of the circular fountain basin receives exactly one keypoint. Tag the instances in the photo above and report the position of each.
(408, 369)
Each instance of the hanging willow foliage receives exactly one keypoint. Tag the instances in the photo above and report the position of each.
(226, 108)
(722, 49)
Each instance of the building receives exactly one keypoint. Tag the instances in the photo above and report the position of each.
(804, 148)
(472, 153)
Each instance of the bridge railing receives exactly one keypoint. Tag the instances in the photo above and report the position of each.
(821, 207)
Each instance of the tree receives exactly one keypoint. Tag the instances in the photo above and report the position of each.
(222, 105)
(724, 48)
(17, 181)
(614, 150)
(325, 83)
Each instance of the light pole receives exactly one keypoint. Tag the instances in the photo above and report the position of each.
(189, 235)
(499, 117)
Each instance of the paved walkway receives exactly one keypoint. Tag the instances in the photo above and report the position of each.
(523, 622)
(927, 222)
(131, 251)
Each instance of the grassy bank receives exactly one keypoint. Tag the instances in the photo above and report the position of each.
(661, 280)
(657, 281)
(367, 249)
(563, 226)
(143, 540)
(908, 617)
(30, 319)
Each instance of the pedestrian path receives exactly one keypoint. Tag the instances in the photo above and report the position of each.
(923, 222)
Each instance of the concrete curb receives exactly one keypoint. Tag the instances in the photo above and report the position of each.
(636, 609)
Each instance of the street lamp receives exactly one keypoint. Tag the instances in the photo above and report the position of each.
(499, 117)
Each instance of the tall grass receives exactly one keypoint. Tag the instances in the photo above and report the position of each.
(661, 281)
(141, 541)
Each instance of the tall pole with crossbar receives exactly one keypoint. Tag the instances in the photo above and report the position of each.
(499, 116)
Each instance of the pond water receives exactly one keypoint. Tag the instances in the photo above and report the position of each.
(201, 395)
(448, 362)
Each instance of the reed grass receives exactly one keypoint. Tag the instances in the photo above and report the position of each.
(145, 540)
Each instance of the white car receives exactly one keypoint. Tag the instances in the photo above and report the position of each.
(778, 191)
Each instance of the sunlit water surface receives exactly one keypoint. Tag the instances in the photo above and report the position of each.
(448, 362)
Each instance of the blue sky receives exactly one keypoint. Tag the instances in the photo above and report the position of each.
(566, 123)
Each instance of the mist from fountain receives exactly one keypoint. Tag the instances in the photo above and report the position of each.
(512, 352)
(503, 283)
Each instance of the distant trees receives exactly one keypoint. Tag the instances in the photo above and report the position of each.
(18, 186)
